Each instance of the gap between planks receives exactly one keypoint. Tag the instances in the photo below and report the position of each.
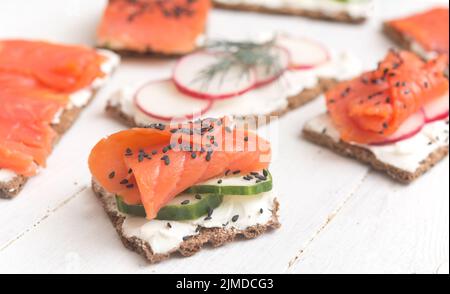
(329, 219)
(42, 219)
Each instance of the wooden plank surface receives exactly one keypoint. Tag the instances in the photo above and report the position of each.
(337, 215)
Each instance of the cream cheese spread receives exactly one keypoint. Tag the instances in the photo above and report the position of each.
(164, 238)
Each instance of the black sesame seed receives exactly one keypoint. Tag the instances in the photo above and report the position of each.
(236, 172)
(166, 159)
(235, 218)
(219, 182)
(208, 155)
(265, 173)
(185, 202)
(124, 182)
(261, 211)
(130, 186)
(246, 139)
(198, 196)
(193, 155)
(130, 171)
(169, 225)
(112, 175)
(227, 172)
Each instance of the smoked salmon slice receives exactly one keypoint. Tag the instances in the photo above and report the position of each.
(370, 108)
(169, 27)
(429, 29)
(36, 80)
(60, 67)
(151, 166)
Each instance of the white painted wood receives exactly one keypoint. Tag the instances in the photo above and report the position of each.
(387, 228)
(337, 216)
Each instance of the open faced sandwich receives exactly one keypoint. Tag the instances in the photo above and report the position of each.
(425, 33)
(174, 188)
(394, 118)
(43, 88)
(170, 27)
(242, 79)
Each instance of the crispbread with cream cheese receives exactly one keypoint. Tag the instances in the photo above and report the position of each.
(191, 244)
(117, 110)
(341, 16)
(328, 138)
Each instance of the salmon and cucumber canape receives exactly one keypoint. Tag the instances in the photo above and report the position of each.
(425, 33)
(173, 188)
(261, 78)
(43, 87)
(394, 118)
(171, 27)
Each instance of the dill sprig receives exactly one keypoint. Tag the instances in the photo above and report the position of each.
(244, 56)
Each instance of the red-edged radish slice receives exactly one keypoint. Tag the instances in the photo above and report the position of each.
(305, 53)
(265, 75)
(412, 126)
(189, 77)
(161, 100)
(437, 109)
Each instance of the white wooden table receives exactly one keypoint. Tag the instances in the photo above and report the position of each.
(338, 216)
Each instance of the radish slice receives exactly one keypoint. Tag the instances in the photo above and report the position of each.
(266, 75)
(412, 126)
(437, 109)
(190, 69)
(305, 54)
(161, 100)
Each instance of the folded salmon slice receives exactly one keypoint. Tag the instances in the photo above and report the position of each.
(146, 166)
(373, 106)
(168, 27)
(59, 67)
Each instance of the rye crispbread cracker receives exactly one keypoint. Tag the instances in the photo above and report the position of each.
(294, 102)
(338, 17)
(12, 188)
(366, 156)
(215, 237)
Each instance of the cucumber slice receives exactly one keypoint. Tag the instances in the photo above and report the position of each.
(183, 207)
(236, 185)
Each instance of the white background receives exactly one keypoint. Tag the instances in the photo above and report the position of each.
(338, 216)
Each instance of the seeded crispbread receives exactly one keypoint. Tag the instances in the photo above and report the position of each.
(338, 16)
(398, 37)
(366, 156)
(213, 236)
(294, 102)
(12, 188)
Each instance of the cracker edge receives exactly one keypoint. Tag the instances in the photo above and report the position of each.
(398, 37)
(338, 17)
(366, 156)
(213, 236)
